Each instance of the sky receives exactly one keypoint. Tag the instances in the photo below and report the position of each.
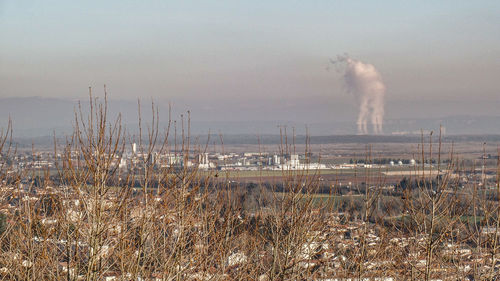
(255, 60)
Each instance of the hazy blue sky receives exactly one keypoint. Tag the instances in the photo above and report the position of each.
(212, 54)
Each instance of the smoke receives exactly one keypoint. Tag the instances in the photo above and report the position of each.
(365, 83)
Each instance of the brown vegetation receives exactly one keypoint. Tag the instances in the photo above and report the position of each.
(93, 223)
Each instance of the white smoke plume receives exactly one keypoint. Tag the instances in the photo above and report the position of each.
(365, 83)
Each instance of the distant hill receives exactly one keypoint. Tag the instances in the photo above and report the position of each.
(37, 117)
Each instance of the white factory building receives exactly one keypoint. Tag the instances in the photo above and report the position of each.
(294, 164)
(204, 163)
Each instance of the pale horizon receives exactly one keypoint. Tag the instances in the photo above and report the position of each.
(255, 61)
